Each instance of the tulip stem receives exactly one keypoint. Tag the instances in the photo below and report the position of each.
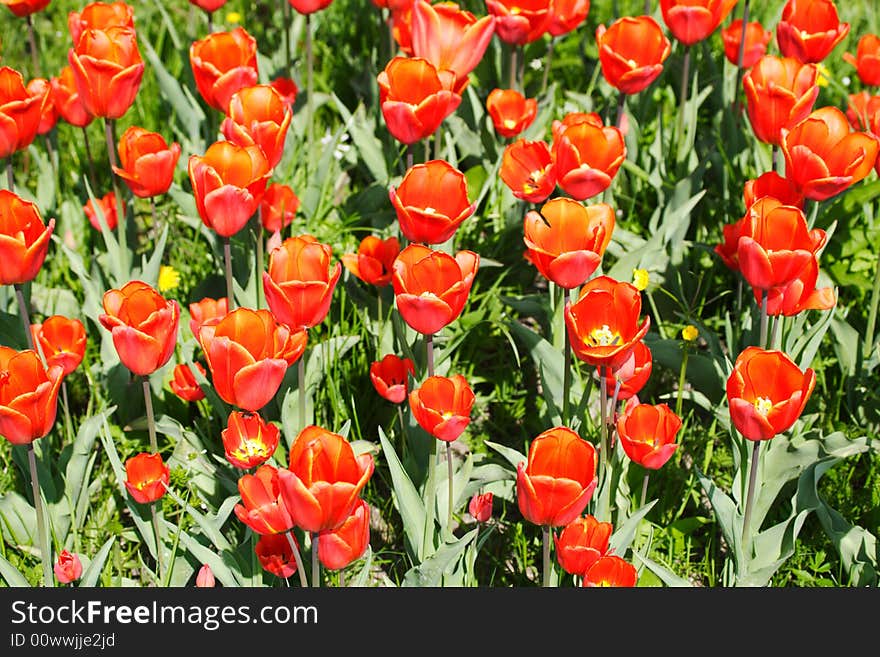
(547, 566)
(774, 157)
(341, 580)
(379, 320)
(512, 72)
(647, 7)
(763, 335)
(645, 488)
(25, 319)
(210, 16)
(316, 563)
(775, 331)
(872, 311)
(45, 552)
(546, 76)
(402, 429)
(151, 422)
(682, 376)
(566, 363)
(301, 378)
(10, 175)
(621, 107)
(429, 350)
(258, 237)
(68, 423)
(227, 265)
(603, 426)
(92, 175)
(753, 475)
(449, 503)
(683, 95)
(430, 495)
(409, 157)
(300, 568)
(739, 61)
(159, 565)
(285, 13)
(310, 86)
(32, 39)
(120, 209)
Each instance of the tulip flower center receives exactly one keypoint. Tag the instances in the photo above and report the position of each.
(428, 295)
(763, 405)
(447, 415)
(510, 124)
(430, 210)
(603, 337)
(250, 448)
(632, 63)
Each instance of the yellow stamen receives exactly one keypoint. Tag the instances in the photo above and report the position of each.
(603, 337)
(763, 405)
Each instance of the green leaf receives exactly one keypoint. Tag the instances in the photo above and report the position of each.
(360, 580)
(669, 578)
(11, 575)
(513, 456)
(96, 565)
(431, 572)
(622, 538)
(224, 574)
(406, 497)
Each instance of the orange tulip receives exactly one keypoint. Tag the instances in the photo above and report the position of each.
(451, 38)
(275, 554)
(431, 202)
(373, 261)
(480, 506)
(22, 8)
(861, 109)
(647, 433)
(389, 377)
(691, 21)
(28, 395)
(431, 287)
(586, 157)
(205, 578)
(766, 393)
(554, 486)
(300, 282)
(567, 15)
(566, 240)
(780, 92)
(324, 479)
(867, 59)
(106, 205)
(20, 111)
(184, 384)
(632, 52)
(49, 116)
(611, 570)
(209, 6)
(772, 184)
(24, 240)
(581, 543)
(798, 294)
(107, 70)
(66, 99)
(527, 169)
(262, 508)
(309, 6)
(511, 112)
(809, 29)
(68, 567)
(822, 156)
(757, 39)
(143, 324)
(603, 323)
(337, 548)
(62, 341)
(228, 183)
(287, 89)
(519, 22)
(147, 477)
(222, 63)
(401, 27)
(442, 406)
(147, 162)
(278, 207)
(633, 374)
(248, 353)
(248, 440)
(99, 16)
(258, 115)
(207, 312)
(413, 99)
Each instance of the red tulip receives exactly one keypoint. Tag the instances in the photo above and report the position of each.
(262, 508)
(567, 15)
(780, 92)
(611, 570)
(287, 89)
(20, 112)
(822, 156)
(275, 554)
(205, 578)
(566, 240)
(106, 205)
(442, 406)
(184, 384)
(691, 21)
(22, 8)
(587, 157)
(24, 240)
(248, 440)
(632, 52)
(66, 99)
(248, 353)
(431, 202)
(222, 63)
(772, 184)
(99, 16)
(309, 6)
(258, 115)
(49, 116)
(207, 312)
(107, 70)
(324, 479)
(809, 29)
(766, 393)
(554, 486)
(339, 547)
(519, 22)
(68, 568)
(209, 6)
(867, 59)
(228, 183)
(143, 324)
(527, 169)
(603, 323)
(147, 162)
(147, 477)
(300, 282)
(278, 207)
(757, 39)
(431, 287)
(413, 98)
(62, 341)
(798, 294)
(389, 377)
(373, 261)
(511, 112)
(633, 374)
(28, 395)
(582, 543)
(861, 109)
(401, 27)
(480, 506)
(647, 433)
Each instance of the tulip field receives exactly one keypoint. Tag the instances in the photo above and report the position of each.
(379, 293)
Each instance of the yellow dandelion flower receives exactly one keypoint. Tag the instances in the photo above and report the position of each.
(233, 17)
(690, 333)
(824, 74)
(640, 279)
(169, 278)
